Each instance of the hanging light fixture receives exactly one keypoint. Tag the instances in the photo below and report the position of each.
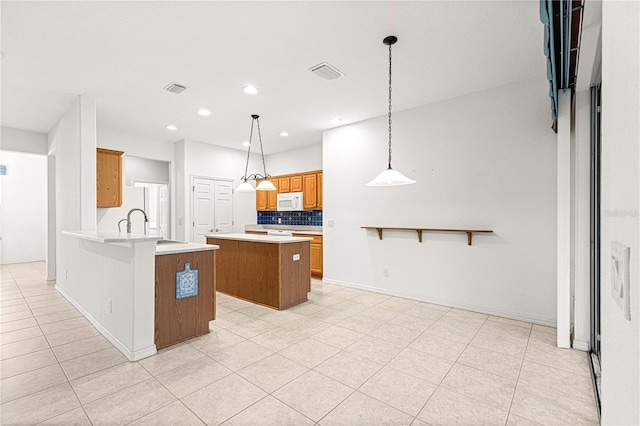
(390, 177)
(265, 185)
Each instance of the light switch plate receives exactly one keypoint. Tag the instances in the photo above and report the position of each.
(620, 257)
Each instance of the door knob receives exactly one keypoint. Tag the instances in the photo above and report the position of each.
(217, 230)
(210, 229)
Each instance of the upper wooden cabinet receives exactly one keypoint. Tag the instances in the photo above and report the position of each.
(273, 195)
(268, 200)
(262, 200)
(296, 183)
(320, 191)
(109, 177)
(284, 185)
(310, 190)
(309, 183)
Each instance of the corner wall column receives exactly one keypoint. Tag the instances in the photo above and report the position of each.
(563, 232)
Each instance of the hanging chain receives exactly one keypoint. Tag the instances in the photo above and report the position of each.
(264, 166)
(246, 168)
(390, 106)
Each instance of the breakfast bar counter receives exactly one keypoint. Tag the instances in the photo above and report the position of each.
(268, 270)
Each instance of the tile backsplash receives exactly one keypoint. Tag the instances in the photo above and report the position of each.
(311, 218)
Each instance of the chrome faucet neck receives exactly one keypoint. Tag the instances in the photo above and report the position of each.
(129, 218)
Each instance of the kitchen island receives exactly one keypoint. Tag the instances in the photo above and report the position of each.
(185, 292)
(110, 278)
(268, 270)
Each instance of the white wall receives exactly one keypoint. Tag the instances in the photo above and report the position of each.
(145, 169)
(482, 161)
(204, 160)
(580, 181)
(23, 141)
(23, 207)
(132, 198)
(303, 159)
(134, 146)
(73, 142)
(620, 205)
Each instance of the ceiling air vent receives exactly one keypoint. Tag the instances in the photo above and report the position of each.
(326, 71)
(175, 88)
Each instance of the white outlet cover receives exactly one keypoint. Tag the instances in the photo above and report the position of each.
(296, 257)
(620, 257)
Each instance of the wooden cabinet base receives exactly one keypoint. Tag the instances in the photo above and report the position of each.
(177, 320)
(263, 273)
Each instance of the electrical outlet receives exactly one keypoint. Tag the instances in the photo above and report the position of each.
(620, 257)
(385, 272)
(296, 257)
(331, 223)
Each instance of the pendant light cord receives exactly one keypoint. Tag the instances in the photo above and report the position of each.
(390, 106)
(264, 166)
(246, 167)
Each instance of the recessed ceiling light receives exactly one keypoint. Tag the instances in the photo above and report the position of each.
(171, 127)
(246, 143)
(250, 90)
(336, 120)
(204, 112)
(284, 134)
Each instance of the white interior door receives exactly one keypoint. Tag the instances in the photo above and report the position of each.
(223, 219)
(212, 208)
(163, 210)
(203, 208)
(156, 206)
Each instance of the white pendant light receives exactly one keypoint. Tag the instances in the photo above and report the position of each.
(265, 184)
(245, 187)
(390, 177)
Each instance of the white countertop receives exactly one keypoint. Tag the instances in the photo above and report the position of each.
(259, 238)
(112, 237)
(183, 247)
(296, 229)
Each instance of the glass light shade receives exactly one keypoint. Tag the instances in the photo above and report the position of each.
(245, 187)
(390, 177)
(266, 185)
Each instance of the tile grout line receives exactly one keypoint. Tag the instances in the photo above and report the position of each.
(58, 364)
(513, 395)
(452, 365)
(340, 350)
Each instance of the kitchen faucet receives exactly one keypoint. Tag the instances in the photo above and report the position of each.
(129, 220)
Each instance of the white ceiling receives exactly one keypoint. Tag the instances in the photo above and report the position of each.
(124, 53)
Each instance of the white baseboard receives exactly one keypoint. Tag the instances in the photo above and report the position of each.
(131, 355)
(481, 309)
(581, 346)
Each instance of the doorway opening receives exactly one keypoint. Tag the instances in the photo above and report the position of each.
(157, 206)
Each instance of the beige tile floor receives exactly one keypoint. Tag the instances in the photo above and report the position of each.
(346, 357)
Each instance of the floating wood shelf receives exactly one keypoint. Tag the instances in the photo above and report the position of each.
(469, 232)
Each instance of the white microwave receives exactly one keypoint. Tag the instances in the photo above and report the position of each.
(293, 201)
